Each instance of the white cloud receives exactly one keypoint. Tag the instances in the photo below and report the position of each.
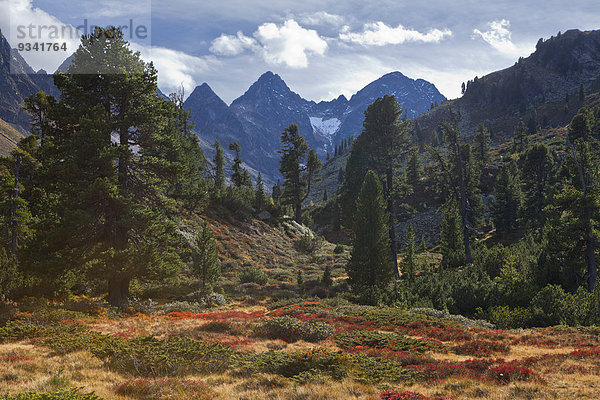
(380, 34)
(175, 68)
(230, 45)
(499, 37)
(21, 22)
(288, 44)
(322, 18)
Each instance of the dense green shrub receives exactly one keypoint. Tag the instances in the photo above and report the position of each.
(253, 275)
(175, 356)
(308, 243)
(290, 329)
(339, 248)
(336, 365)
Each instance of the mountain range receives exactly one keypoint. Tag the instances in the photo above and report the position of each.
(544, 89)
(257, 118)
(18, 81)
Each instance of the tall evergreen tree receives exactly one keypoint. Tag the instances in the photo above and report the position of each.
(260, 198)
(451, 236)
(219, 161)
(508, 199)
(297, 179)
(116, 156)
(413, 169)
(409, 261)
(369, 269)
(237, 175)
(482, 140)
(537, 172)
(382, 142)
(205, 260)
(460, 179)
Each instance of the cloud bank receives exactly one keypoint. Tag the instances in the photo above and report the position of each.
(288, 44)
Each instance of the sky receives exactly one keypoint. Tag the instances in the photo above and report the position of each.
(320, 48)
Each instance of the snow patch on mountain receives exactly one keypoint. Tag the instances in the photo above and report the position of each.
(326, 127)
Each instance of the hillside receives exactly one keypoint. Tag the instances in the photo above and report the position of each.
(544, 86)
(9, 137)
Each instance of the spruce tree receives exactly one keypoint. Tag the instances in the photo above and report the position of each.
(260, 199)
(237, 175)
(219, 161)
(451, 240)
(326, 279)
(537, 170)
(205, 261)
(297, 179)
(370, 269)
(482, 139)
(413, 169)
(382, 141)
(117, 153)
(409, 261)
(508, 199)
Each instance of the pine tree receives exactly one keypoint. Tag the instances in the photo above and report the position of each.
(260, 199)
(237, 175)
(276, 193)
(205, 261)
(325, 197)
(508, 199)
(300, 282)
(297, 180)
(482, 139)
(423, 244)
(383, 140)
(219, 162)
(326, 279)
(113, 217)
(409, 261)
(370, 269)
(537, 172)
(413, 169)
(451, 238)
(460, 180)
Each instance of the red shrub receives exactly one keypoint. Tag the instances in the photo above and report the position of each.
(398, 395)
(510, 372)
(480, 348)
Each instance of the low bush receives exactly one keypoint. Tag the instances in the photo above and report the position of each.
(164, 389)
(183, 306)
(480, 348)
(290, 329)
(509, 372)
(379, 340)
(336, 365)
(253, 275)
(175, 356)
(339, 249)
(60, 395)
(308, 243)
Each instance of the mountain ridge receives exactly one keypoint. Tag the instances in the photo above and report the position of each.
(269, 105)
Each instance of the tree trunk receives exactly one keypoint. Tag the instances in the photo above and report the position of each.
(118, 290)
